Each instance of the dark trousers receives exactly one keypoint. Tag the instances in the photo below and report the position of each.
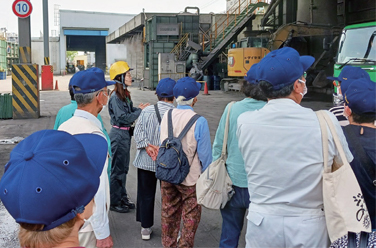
(146, 188)
(233, 217)
(120, 147)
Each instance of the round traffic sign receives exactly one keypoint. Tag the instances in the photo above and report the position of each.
(22, 8)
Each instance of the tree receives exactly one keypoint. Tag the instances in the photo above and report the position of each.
(71, 55)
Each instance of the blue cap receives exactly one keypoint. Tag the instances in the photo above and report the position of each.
(51, 176)
(165, 87)
(187, 87)
(283, 67)
(360, 96)
(251, 76)
(348, 75)
(88, 81)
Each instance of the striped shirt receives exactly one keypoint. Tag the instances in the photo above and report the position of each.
(338, 113)
(147, 131)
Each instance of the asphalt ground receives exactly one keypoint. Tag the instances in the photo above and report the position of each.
(124, 228)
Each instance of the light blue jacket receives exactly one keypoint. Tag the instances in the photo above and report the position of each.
(234, 162)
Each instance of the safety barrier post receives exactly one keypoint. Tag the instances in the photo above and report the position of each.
(25, 91)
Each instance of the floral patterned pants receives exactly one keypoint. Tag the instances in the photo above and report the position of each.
(179, 201)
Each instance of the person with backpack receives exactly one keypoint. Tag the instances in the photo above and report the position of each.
(147, 137)
(192, 149)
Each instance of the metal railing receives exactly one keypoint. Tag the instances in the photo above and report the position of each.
(224, 25)
(179, 47)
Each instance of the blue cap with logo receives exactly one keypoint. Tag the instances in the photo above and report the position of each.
(251, 76)
(283, 67)
(348, 75)
(360, 96)
(187, 87)
(88, 81)
(51, 176)
(165, 87)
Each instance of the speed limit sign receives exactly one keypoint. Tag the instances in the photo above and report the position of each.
(22, 8)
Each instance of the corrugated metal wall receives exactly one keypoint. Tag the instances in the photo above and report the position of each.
(155, 43)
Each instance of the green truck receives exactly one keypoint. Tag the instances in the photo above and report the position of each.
(357, 47)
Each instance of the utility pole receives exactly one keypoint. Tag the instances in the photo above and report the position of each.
(47, 69)
(46, 33)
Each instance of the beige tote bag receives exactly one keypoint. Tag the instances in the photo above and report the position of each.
(214, 186)
(344, 206)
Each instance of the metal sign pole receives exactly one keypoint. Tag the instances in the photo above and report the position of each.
(24, 39)
(25, 81)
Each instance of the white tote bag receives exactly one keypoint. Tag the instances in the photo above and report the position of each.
(214, 186)
(344, 206)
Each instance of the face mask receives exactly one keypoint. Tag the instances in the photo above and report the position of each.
(104, 105)
(305, 90)
(86, 223)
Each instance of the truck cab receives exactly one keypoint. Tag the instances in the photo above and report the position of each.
(357, 47)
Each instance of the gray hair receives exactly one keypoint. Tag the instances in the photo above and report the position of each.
(85, 99)
(181, 101)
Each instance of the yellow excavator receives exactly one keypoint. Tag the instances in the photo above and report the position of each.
(307, 39)
(245, 53)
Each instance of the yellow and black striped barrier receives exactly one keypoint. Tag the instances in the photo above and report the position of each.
(46, 60)
(25, 91)
(25, 55)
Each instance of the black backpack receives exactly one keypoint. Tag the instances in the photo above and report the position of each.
(172, 163)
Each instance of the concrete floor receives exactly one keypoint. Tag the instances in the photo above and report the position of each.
(124, 228)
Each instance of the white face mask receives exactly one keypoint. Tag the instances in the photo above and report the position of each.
(86, 223)
(305, 90)
(105, 105)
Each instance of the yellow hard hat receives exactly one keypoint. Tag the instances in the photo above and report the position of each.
(118, 68)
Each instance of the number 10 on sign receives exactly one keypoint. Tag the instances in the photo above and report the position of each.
(22, 8)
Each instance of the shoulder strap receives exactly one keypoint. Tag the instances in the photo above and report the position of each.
(157, 113)
(169, 124)
(224, 146)
(337, 142)
(324, 137)
(188, 126)
(364, 158)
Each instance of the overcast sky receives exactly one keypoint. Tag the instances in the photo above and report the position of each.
(10, 21)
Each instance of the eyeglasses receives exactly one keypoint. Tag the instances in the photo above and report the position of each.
(107, 91)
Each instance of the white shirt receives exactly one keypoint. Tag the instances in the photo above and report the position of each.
(282, 150)
(84, 122)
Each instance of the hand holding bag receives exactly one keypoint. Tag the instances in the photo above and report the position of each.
(214, 186)
(344, 206)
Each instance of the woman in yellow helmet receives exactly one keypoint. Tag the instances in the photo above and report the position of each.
(122, 114)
